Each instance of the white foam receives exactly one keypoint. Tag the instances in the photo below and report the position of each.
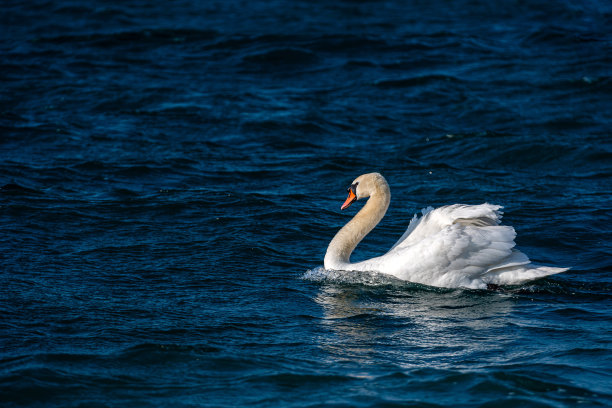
(320, 274)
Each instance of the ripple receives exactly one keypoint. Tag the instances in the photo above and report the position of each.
(415, 81)
(170, 172)
(159, 36)
(362, 278)
(290, 56)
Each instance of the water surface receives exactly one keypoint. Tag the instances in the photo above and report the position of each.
(172, 174)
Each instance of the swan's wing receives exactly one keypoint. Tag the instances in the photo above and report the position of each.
(414, 223)
(457, 255)
(433, 221)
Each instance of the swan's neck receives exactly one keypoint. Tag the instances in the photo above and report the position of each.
(346, 240)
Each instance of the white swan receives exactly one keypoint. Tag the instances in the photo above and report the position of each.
(452, 246)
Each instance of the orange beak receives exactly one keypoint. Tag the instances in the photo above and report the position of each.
(349, 200)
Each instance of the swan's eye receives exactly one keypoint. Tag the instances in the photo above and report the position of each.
(353, 188)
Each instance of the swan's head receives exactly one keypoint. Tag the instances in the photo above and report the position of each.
(364, 186)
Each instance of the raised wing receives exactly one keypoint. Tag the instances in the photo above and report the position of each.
(433, 221)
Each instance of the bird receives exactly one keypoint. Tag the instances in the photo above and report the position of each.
(454, 246)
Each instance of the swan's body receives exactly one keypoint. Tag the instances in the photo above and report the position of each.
(452, 246)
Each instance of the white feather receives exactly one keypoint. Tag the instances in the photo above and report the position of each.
(452, 246)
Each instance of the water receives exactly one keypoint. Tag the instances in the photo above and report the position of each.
(173, 174)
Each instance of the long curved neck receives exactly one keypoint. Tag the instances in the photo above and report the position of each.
(346, 240)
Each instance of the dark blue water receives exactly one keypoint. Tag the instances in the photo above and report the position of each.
(171, 171)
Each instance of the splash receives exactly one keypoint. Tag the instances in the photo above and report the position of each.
(322, 275)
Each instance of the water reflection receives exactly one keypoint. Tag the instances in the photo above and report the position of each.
(411, 325)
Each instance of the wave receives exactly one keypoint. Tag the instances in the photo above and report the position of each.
(322, 275)
(416, 81)
(556, 286)
(14, 188)
(281, 56)
(154, 36)
(561, 36)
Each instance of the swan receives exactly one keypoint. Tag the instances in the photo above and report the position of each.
(452, 246)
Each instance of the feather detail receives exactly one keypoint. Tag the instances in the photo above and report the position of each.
(452, 246)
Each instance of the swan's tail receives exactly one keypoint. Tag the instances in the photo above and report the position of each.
(519, 274)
